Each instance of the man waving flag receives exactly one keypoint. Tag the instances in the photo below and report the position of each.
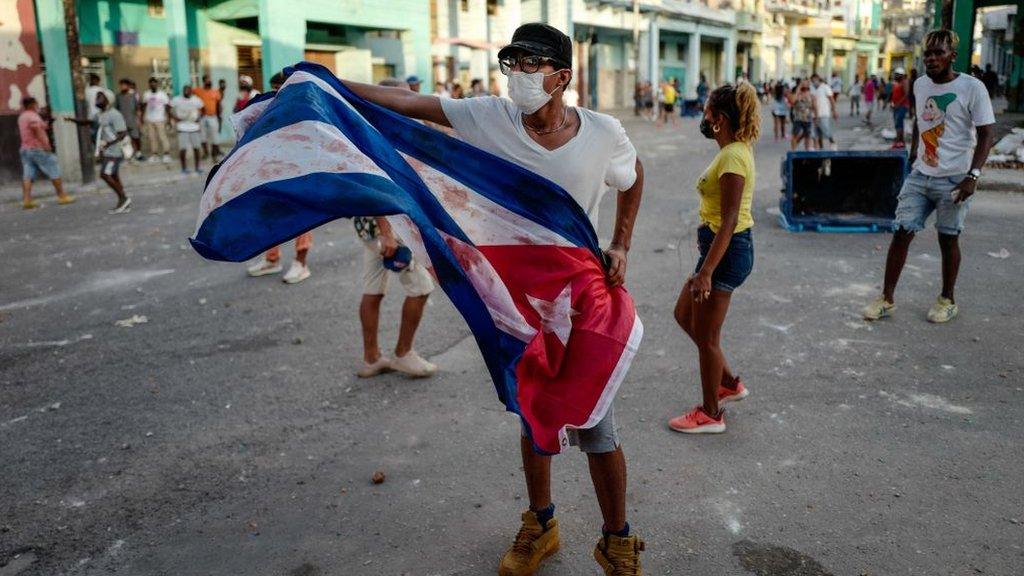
(504, 219)
(524, 271)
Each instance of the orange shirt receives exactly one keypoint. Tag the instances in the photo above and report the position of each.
(210, 99)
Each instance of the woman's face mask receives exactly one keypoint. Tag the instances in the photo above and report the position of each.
(527, 90)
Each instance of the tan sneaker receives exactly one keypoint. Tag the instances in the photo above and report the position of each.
(66, 199)
(619, 556)
(532, 545)
(413, 365)
(381, 366)
(877, 309)
(942, 311)
(30, 204)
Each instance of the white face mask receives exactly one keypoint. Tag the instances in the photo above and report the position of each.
(527, 90)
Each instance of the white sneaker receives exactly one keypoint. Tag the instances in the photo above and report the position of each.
(153, 159)
(382, 365)
(296, 273)
(167, 159)
(262, 267)
(412, 365)
(122, 207)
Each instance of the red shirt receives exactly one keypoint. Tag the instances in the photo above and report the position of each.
(899, 95)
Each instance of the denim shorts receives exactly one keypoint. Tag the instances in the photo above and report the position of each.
(599, 439)
(801, 128)
(899, 116)
(735, 265)
(921, 195)
(35, 162)
(823, 127)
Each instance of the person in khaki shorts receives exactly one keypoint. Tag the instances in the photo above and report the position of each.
(380, 243)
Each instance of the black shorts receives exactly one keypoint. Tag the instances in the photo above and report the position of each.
(669, 107)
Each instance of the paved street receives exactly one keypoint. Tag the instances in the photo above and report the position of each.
(228, 434)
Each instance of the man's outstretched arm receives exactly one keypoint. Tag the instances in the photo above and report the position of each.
(402, 100)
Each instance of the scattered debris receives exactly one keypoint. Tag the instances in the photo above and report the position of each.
(378, 477)
(129, 322)
(1002, 254)
(202, 301)
(297, 340)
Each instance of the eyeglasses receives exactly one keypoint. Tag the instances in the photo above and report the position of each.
(529, 63)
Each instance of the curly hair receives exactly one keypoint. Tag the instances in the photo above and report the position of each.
(739, 103)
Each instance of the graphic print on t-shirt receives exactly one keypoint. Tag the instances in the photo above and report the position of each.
(935, 114)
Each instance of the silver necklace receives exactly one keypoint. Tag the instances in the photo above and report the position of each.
(565, 119)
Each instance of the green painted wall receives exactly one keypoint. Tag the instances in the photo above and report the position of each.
(100, 20)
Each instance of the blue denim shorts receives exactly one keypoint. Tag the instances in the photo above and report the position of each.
(899, 116)
(35, 162)
(735, 265)
(921, 195)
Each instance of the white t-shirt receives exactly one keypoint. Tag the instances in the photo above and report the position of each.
(111, 123)
(947, 115)
(186, 112)
(156, 103)
(823, 99)
(599, 156)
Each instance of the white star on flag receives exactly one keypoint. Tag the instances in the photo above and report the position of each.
(556, 316)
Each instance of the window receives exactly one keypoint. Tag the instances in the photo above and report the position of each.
(661, 50)
(465, 5)
(680, 52)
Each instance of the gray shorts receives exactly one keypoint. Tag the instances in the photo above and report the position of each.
(921, 195)
(189, 140)
(600, 439)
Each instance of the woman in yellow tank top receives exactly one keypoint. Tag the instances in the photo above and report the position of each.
(732, 119)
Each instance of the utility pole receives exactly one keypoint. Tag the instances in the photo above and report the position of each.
(636, 39)
(78, 81)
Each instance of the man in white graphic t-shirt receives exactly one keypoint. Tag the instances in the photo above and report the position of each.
(952, 137)
(586, 153)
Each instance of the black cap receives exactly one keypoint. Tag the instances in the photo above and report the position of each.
(542, 40)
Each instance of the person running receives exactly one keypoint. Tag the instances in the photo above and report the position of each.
(825, 110)
(732, 119)
(870, 88)
(127, 103)
(209, 123)
(780, 111)
(900, 107)
(383, 249)
(803, 116)
(185, 110)
(270, 261)
(584, 152)
(37, 157)
(954, 126)
(155, 121)
(111, 130)
(856, 90)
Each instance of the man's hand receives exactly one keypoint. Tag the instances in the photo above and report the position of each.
(700, 286)
(964, 190)
(388, 245)
(616, 271)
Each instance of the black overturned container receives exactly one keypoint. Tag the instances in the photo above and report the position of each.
(841, 191)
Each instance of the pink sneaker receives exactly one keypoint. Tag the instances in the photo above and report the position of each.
(697, 421)
(739, 392)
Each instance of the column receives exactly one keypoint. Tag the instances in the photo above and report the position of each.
(692, 64)
(654, 53)
(283, 30)
(59, 89)
(963, 25)
(794, 51)
(177, 43)
(729, 74)
(826, 52)
(851, 68)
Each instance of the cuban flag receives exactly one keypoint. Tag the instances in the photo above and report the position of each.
(515, 253)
